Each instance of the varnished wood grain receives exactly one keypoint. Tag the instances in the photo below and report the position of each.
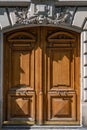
(41, 83)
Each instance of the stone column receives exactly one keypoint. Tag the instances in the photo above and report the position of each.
(84, 76)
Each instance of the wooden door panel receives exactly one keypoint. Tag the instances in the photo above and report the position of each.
(61, 66)
(60, 69)
(61, 82)
(21, 72)
(20, 96)
(15, 70)
(61, 106)
(21, 78)
(21, 107)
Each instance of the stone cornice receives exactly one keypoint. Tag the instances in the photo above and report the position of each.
(14, 2)
(71, 3)
(57, 2)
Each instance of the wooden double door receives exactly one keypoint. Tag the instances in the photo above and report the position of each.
(41, 76)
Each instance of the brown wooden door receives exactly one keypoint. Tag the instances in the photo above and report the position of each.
(41, 76)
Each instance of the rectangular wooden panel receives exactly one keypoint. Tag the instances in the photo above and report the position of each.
(22, 68)
(24, 107)
(61, 107)
(60, 69)
(15, 71)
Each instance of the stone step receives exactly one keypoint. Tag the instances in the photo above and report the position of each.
(22, 127)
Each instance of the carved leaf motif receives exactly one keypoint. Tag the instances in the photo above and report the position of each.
(23, 15)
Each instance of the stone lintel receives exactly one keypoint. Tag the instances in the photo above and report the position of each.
(14, 2)
(57, 2)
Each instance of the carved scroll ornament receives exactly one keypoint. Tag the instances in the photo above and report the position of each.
(23, 16)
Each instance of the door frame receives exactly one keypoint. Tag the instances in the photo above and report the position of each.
(2, 41)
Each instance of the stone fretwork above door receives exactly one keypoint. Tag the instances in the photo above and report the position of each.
(41, 13)
(44, 12)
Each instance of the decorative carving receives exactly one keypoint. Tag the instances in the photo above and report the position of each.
(61, 39)
(62, 15)
(41, 15)
(22, 37)
(61, 35)
(21, 89)
(21, 15)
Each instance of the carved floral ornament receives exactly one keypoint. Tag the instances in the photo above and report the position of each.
(43, 14)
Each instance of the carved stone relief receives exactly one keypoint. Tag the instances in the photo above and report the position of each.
(44, 14)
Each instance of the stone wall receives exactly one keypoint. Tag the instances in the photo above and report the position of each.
(84, 76)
